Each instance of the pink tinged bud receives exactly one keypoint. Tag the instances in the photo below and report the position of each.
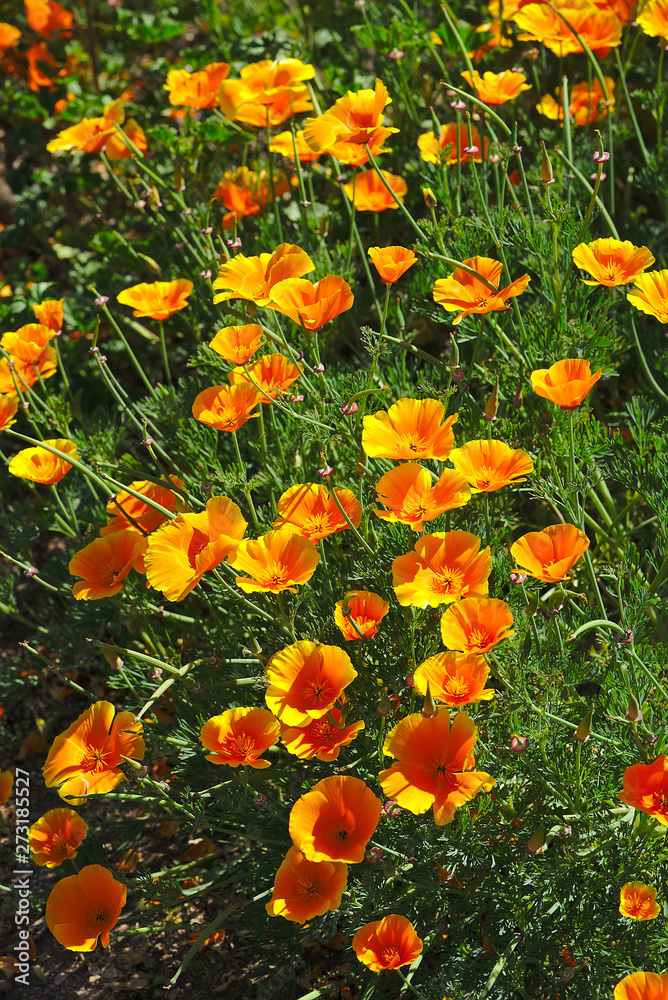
(471, 150)
(179, 246)
(519, 744)
(101, 300)
(458, 106)
(373, 855)
(234, 244)
(296, 399)
(390, 808)
(592, 177)
(409, 681)
(140, 204)
(319, 368)
(457, 375)
(326, 471)
(30, 572)
(155, 674)
(495, 158)
(626, 639)
(205, 274)
(583, 731)
(517, 578)
(260, 799)
(397, 54)
(567, 973)
(601, 157)
(349, 408)
(207, 231)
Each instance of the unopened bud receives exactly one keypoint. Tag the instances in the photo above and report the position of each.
(546, 172)
(429, 198)
(532, 606)
(429, 709)
(113, 659)
(140, 770)
(581, 734)
(633, 712)
(492, 407)
(536, 843)
(517, 398)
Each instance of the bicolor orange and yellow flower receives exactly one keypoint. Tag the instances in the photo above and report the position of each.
(305, 680)
(410, 429)
(388, 943)
(476, 625)
(55, 836)
(365, 609)
(454, 678)
(157, 299)
(549, 554)
(408, 492)
(305, 889)
(335, 820)
(489, 465)
(612, 262)
(41, 465)
(443, 567)
(566, 383)
(254, 278)
(276, 561)
(311, 510)
(465, 293)
(240, 736)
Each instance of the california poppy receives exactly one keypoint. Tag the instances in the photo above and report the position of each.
(642, 986)
(125, 506)
(490, 465)
(253, 278)
(612, 262)
(48, 18)
(284, 145)
(84, 907)
(238, 344)
(6, 785)
(305, 889)
(305, 680)
(42, 466)
(27, 344)
(600, 30)
(388, 943)
(365, 609)
(638, 901)
(321, 738)
(412, 499)
(454, 678)
(267, 93)
(410, 429)
(443, 567)
(117, 149)
(650, 294)
(226, 407)
(368, 193)
(497, 88)
(646, 788)
(391, 262)
(653, 18)
(312, 511)
(196, 90)
(90, 135)
(273, 373)
(56, 836)
(9, 405)
(476, 625)
(567, 383)
(9, 36)
(450, 145)
(335, 820)
(240, 736)
(49, 313)
(180, 552)
(19, 376)
(434, 764)
(37, 57)
(157, 299)
(549, 554)
(105, 563)
(86, 758)
(276, 561)
(312, 305)
(355, 119)
(245, 192)
(465, 294)
(587, 105)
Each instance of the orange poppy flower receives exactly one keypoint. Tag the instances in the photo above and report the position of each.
(48, 18)
(653, 18)
(612, 262)
(600, 30)
(451, 145)
(305, 889)
(491, 465)
(642, 986)
(56, 836)
(476, 626)
(240, 736)
(22, 377)
(284, 145)
(368, 193)
(312, 305)
(311, 510)
(353, 120)
(8, 408)
(276, 561)
(273, 373)
(365, 608)
(105, 563)
(116, 148)
(37, 57)
(646, 788)
(321, 738)
(465, 294)
(42, 466)
(335, 820)
(388, 943)
(86, 758)
(305, 680)
(50, 313)
(442, 568)
(90, 135)
(27, 344)
(84, 907)
(157, 299)
(566, 383)
(497, 88)
(226, 407)
(549, 554)
(586, 106)
(6, 785)
(244, 192)
(650, 294)
(432, 761)
(124, 506)
(196, 90)
(454, 678)
(407, 490)
(638, 901)
(391, 262)
(254, 278)
(410, 429)
(180, 552)
(237, 344)
(268, 93)
(9, 36)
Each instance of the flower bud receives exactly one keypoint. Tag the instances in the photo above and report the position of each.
(633, 712)
(546, 172)
(429, 198)
(384, 704)
(492, 407)
(532, 606)
(536, 843)
(429, 709)
(519, 744)
(581, 734)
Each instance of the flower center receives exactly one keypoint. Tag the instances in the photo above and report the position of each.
(390, 956)
(456, 687)
(478, 638)
(449, 582)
